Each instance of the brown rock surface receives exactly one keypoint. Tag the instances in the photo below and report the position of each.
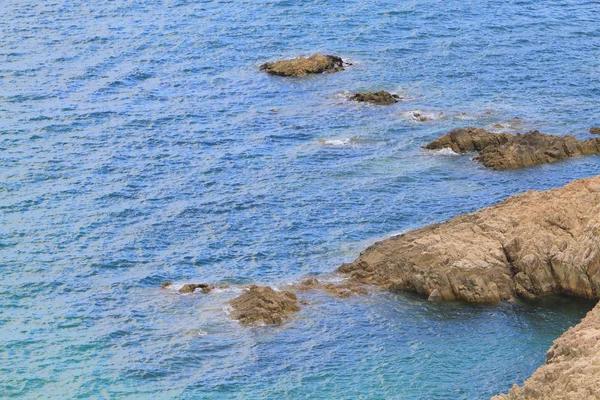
(533, 244)
(381, 98)
(504, 151)
(595, 130)
(467, 140)
(343, 289)
(263, 305)
(572, 369)
(302, 66)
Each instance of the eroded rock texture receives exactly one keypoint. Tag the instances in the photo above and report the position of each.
(533, 244)
(504, 151)
(346, 288)
(381, 98)
(302, 66)
(261, 305)
(572, 369)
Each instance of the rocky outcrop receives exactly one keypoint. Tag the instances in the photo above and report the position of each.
(191, 287)
(595, 130)
(346, 288)
(572, 369)
(468, 140)
(261, 305)
(504, 151)
(302, 66)
(381, 98)
(533, 244)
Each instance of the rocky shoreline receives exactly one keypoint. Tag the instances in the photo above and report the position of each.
(531, 245)
(534, 244)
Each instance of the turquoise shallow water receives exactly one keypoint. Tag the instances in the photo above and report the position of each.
(139, 143)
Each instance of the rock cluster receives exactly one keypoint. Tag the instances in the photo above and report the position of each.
(504, 151)
(381, 98)
(533, 244)
(302, 66)
(572, 369)
(261, 305)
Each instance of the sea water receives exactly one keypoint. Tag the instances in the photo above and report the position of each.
(139, 143)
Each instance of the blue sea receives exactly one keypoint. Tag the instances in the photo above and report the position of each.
(139, 143)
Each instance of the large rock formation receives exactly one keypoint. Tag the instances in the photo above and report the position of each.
(263, 305)
(572, 369)
(302, 66)
(532, 244)
(505, 151)
(381, 98)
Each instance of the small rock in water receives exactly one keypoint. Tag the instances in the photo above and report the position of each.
(191, 287)
(166, 284)
(302, 66)
(595, 130)
(382, 97)
(263, 305)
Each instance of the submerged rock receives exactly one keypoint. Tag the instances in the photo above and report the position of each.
(343, 289)
(315, 64)
(422, 116)
(504, 151)
(263, 305)
(382, 97)
(572, 369)
(531, 245)
(595, 130)
(191, 287)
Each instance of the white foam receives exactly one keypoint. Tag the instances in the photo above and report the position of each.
(444, 152)
(422, 116)
(342, 95)
(336, 142)
(398, 233)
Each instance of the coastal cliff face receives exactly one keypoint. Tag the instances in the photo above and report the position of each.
(530, 245)
(572, 369)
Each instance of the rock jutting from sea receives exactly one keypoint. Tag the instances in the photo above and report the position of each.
(261, 305)
(504, 151)
(380, 98)
(302, 66)
(530, 245)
